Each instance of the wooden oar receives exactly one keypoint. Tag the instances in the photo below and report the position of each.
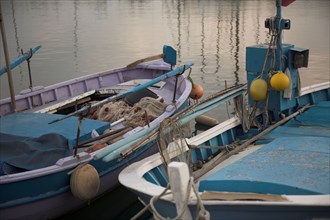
(177, 71)
(20, 59)
(155, 57)
(81, 144)
(168, 55)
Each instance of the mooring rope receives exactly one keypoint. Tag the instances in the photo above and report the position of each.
(201, 212)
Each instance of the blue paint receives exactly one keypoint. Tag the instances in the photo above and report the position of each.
(169, 55)
(19, 60)
(57, 183)
(285, 131)
(37, 124)
(296, 161)
(293, 166)
(318, 116)
(21, 192)
(255, 56)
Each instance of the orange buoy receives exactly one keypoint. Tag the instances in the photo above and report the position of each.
(279, 81)
(197, 91)
(258, 89)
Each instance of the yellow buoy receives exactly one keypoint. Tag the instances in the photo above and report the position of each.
(85, 182)
(279, 81)
(258, 90)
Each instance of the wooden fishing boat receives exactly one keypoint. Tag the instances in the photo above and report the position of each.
(50, 142)
(271, 164)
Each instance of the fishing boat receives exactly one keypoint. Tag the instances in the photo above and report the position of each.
(269, 161)
(50, 140)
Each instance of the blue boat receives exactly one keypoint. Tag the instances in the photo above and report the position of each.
(270, 161)
(50, 143)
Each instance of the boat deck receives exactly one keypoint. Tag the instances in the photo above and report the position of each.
(294, 160)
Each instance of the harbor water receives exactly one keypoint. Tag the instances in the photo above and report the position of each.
(79, 37)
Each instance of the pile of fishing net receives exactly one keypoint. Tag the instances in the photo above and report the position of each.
(140, 114)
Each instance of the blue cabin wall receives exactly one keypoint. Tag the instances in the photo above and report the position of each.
(255, 58)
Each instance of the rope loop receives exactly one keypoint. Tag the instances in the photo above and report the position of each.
(201, 212)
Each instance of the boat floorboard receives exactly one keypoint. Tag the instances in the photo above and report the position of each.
(295, 161)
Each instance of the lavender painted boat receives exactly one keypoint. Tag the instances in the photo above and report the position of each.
(36, 184)
(270, 161)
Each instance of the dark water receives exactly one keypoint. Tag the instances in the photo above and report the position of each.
(119, 204)
(84, 36)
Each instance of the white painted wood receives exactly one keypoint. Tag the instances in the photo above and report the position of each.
(315, 88)
(179, 180)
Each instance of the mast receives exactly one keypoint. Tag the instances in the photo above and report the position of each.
(5, 50)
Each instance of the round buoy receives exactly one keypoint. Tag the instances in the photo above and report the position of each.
(85, 182)
(279, 81)
(258, 90)
(197, 91)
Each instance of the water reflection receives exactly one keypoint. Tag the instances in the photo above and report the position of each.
(258, 25)
(178, 45)
(18, 48)
(237, 42)
(213, 34)
(217, 52)
(75, 36)
(203, 65)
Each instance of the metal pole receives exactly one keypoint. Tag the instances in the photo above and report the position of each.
(5, 50)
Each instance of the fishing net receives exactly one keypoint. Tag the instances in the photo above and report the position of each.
(142, 113)
(242, 111)
(113, 111)
(172, 144)
(248, 115)
(145, 111)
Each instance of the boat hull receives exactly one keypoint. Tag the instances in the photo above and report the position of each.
(226, 210)
(45, 193)
(147, 178)
(64, 202)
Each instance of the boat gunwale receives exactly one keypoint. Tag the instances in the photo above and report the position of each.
(39, 90)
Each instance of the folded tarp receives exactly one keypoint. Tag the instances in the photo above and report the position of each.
(33, 153)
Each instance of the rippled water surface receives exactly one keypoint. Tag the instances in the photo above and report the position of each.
(85, 36)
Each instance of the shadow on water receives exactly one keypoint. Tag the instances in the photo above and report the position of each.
(119, 204)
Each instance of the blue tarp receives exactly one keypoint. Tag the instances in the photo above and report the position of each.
(36, 124)
(33, 153)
